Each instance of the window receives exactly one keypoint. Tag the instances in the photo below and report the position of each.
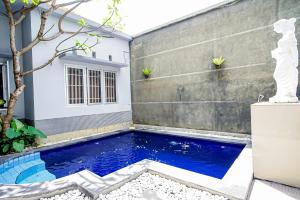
(3, 81)
(87, 85)
(110, 87)
(94, 86)
(75, 85)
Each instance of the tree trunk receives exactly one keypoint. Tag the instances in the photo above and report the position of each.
(14, 96)
(11, 107)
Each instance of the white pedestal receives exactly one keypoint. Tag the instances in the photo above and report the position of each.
(276, 142)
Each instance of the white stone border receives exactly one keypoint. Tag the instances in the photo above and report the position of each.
(193, 133)
(234, 185)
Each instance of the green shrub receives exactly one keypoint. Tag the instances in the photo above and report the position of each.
(218, 62)
(19, 136)
(147, 72)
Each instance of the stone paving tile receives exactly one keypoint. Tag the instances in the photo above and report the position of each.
(269, 190)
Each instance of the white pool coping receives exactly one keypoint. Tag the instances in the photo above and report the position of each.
(234, 185)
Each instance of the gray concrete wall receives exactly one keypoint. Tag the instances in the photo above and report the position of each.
(185, 89)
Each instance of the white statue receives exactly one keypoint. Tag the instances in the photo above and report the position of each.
(286, 55)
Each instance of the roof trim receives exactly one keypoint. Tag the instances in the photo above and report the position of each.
(194, 14)
(89, 60)
(75, 18)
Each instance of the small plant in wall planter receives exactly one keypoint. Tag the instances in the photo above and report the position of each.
(218, 62)
(147, 72)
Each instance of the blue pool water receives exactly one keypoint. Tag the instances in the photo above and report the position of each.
(105, 155)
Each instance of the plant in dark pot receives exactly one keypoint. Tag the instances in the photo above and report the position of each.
(147, 72)
(218, 62)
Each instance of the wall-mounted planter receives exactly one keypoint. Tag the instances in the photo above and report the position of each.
(146, 76)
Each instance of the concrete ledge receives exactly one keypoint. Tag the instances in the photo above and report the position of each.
(214, 135)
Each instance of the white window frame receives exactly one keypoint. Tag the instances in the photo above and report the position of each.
(86, 85)
(117, 86)
(67, 84)
(5, 78)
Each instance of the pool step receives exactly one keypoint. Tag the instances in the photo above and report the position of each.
(41, 176)
(30, 169)
(24, 169)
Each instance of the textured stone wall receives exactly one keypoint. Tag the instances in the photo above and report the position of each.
(185, 89)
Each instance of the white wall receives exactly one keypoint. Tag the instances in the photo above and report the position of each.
(49, 83)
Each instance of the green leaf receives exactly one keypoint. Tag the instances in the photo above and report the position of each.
(18, 146)
(24, 130)
(82, 22)
(12, 1)
(17, 125)
(25, 1)
(218, 61)
(36, 132)
(147, 71)
(35, 2)
(5, 148)
(10, 133)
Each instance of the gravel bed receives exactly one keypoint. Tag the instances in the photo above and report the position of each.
(145, 187)
(70, 195)
(154, 187)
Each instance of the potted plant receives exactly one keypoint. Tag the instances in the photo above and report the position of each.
(218, 62)
(147, 72)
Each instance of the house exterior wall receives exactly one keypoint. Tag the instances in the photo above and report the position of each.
(4, 51)
(27, 63)
(51, 112)
(186, 90)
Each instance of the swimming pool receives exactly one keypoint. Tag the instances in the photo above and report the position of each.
(108, 154)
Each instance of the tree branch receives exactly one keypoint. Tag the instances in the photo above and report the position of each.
(44, 17)
(26, 10)
(23, 13)
(55, 55)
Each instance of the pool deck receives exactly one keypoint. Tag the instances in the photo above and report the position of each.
(269, 190)
(235, 184)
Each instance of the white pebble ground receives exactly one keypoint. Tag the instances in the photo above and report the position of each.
(146, 186)
(70, 195)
